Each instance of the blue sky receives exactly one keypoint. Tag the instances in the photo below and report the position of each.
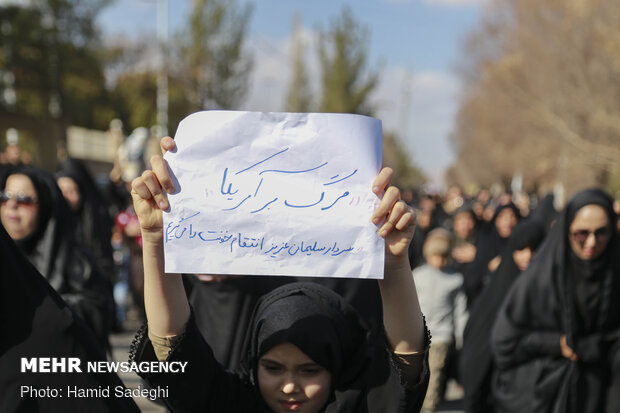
(415, 42)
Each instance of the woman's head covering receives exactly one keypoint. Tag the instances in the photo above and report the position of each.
(55, 224)
(94, 223)
(53, 210)
(68, 266)
(590, 197)
(489, 245)
(77, 170)
(585, 294)
(558, 244)
(555, 267)
(554, 295)
(476, 357)
(500, 208)
(527, 233)
(545, 212)
(317, 321)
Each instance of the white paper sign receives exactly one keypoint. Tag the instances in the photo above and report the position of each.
(274, 194)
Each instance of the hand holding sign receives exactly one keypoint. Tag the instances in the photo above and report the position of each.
(278, 194)
(149, 194)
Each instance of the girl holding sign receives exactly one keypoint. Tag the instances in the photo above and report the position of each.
(306, 350)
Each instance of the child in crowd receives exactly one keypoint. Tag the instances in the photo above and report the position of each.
(443, 303)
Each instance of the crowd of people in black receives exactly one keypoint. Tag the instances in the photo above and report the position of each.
(521, 301)
(539, 332)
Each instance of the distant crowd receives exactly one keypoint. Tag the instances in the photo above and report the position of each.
(548, 342)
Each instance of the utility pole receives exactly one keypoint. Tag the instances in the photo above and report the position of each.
(162, 75)
(405, 105)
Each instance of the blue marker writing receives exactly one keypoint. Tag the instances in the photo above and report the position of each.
(229, 190)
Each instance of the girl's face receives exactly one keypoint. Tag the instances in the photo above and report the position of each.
(70, 191)
(290, 381)
(505, 222)
(463, 225)
(523, 257)
(20, 207)
(590, 231)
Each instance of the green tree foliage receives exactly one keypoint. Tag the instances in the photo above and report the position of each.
(299, 98)
(136, 94)
(136, 97)
(51, 53)
(210, 64)
(207, 68)
(346, 84)
(406, 174)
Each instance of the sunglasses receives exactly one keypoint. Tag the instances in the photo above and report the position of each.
(20, 199)
(582, 235)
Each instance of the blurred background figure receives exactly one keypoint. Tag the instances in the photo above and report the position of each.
(476, 361)
(426, 221)
(130, 161)
(556, 339)
(39, 220)
(452, 201)
(545, 212)
(93, 229)
(482, 205)
(131, 154)
(492, 239)
(443, 304)
(464, 227)
(12, 152)
(94, 224)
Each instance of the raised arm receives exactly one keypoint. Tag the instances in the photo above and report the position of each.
(402, 317)
(167, 309)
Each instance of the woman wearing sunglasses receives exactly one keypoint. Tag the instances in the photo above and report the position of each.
(36, 216)
(557, 336)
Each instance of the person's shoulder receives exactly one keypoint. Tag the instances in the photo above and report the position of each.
(423, 270)
(451, 277)
(452, 273)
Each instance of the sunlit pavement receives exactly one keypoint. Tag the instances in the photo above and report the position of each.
(454, 399)
(120, 343)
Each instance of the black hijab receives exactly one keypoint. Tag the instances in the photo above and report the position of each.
(39, 324)
(329, 331)
(47, 246)
(543, 304)
(94, 223)
(489, 245)
(588, 278)
(362, 294)
(476, 361)
(223, 311)
(67, 266)
(316, 320)
(545, 212)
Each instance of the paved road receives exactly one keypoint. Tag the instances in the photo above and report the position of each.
(120, 351)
